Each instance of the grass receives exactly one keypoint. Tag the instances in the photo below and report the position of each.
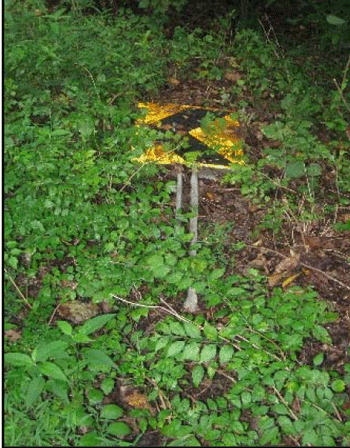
(83, 224)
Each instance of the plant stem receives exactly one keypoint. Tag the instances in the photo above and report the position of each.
(27, 304)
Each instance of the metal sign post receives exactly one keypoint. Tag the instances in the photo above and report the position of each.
(186, 120)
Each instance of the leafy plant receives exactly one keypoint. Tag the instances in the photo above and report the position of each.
(84, 224)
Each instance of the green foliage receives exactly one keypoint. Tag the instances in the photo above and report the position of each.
(161, 7)
(299, 159)
(83, 222)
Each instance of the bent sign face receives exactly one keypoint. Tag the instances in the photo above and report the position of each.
(215, 140)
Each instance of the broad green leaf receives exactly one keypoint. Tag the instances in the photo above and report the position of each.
(155, 262)
(225, 354)
(185, 441)
(35, 388)
(321, 334)
(95, 396)
(328, 393)
(286, 424)
(175, 277)
(90, 439)
(81, 338)
(191, 351)
(111, 412)
(139, 312)
(295, 170)
(65, 327)
(246, 398)
(334, 20)
(172, 429)
(217, 273)
(16, 252)
(211, 370)
(210, 331)
(229, 439)
(237, 426)
(271, 437)
(161, 342)
(314, 169)
(310, 438)
(185, 282)
(95, 324)
(197, 375)
(13, 262)
(59, 388)
(236, 291)
(199, 265)
(338, 385)
(95, 358)
(320, 393)
(119, 429)
(318, 359)
(177, 328)
(162, 271)
(310, 394)
(280, 408)
(176, 429)
(86, 128)
(200, 287)
(18, 360)
(48, 350)
(192, 330)
(37, 225)
(52, 370)
(328, 440)
(208, 352)
(212, 406)
(107, 385)
(170, 259)
(175, 348)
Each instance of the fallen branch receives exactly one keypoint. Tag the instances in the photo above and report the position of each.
(168, 309)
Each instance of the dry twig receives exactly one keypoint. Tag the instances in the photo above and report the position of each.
(167, 308)
(27, 304)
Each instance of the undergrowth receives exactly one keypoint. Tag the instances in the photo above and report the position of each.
(83, 223)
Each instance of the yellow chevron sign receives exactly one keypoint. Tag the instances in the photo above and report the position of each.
(186, 120)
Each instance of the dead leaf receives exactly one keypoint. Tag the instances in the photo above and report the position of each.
(13, 335)
(233, 76)
(274, 279)
(319, 242)
(174, 81)
(289, 280)
(76, 311)
(283, 269)
(259, 262)
(287, 264)
(135, 399)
